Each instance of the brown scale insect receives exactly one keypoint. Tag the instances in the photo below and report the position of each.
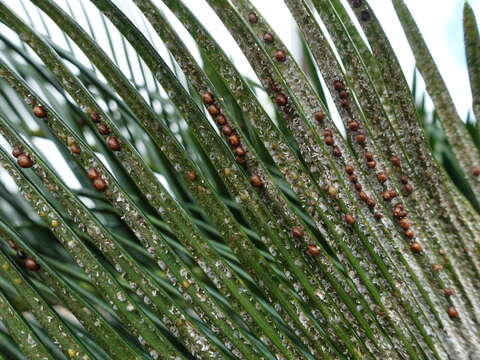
(240, 151)
(92, 173)
(360, 138)
(280, 56)
(343, 94)
(113, 143)
(353, 179)
(349, 169)
(313, 250)
(31, 265)
(234, 140)
(436, 267)
(408, 188)
(95, 117)
(103, 129)
(319, 116)
(371, 203)
(387, 196)
(327, 132)
(353, 125)
(397, 212)
(192, 175)
(404, 179)
(476, 171)
(404, 224)
(344, 103)
(349, 219)
(17, 151)
(221, 119)
(382, 177)
(363, 196)
(75, 149)
(409, 234)
(449, 292)
(213, 110)
(338, 85)
(452, 312)
(39, 111)
(252, 18)
(256, 181)
(329, 141)
(297, 232)
(358, 187)
(377, 215)
(24, 161)
(365, 15)
(369, 156)
(336, 151)
(416, 247)
(208, 98)
(268, 38)
(371, 164)
(227, 130)
(281, 99)
(100, 184)
(395, 160)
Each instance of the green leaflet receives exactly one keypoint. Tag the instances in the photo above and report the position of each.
(86, 260)
(54, 326)
(21, 332)
(89, 317)
(267, 234)
(472, 51)
(463, 147)
(200, 191)
(377, 127)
